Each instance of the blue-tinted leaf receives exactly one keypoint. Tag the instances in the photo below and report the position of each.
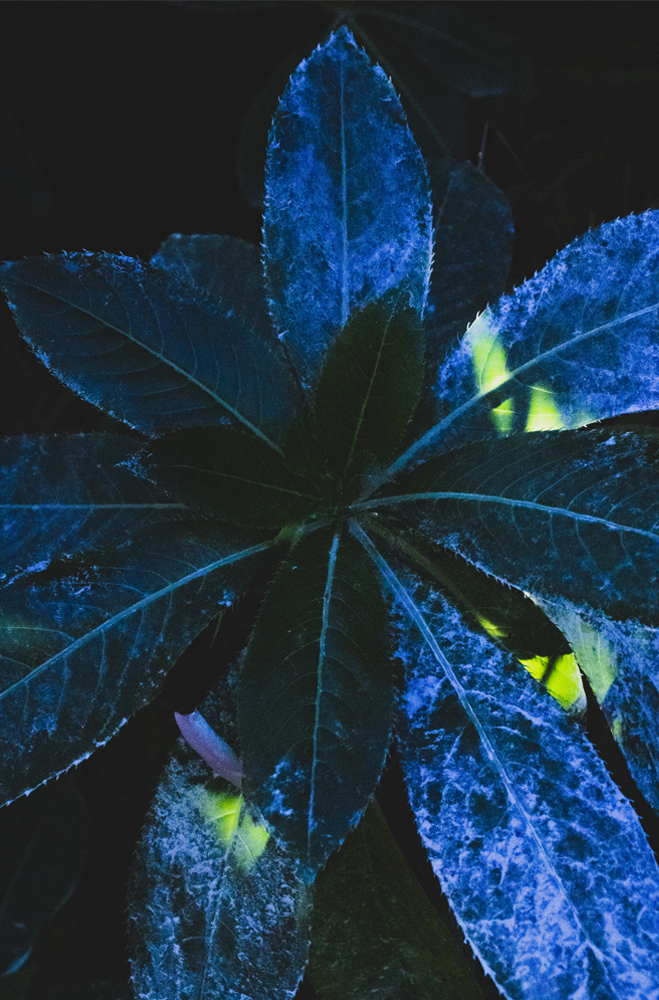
(545, 864)
(347, 211)
(374, 932)
(620, 660)
(315, 697)
(473, 247)
(227, 269)
(147, 347)
(42, 851)
(369, 386)
(60, 496)
(205, 922)
(233, 476)
(582, 335)
(79, 654)
(573, 514)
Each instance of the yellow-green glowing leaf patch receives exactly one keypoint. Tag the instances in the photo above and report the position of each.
(237, 830)
(488, 355)
(503, 416)
(543, 414)
(560, 675)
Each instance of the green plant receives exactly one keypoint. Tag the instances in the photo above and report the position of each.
(421, 506)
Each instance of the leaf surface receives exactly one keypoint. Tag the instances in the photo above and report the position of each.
(370, 384)
(60, 496)
(79, 654)
(374, 932)
(315, 697)
(545, 864)
(233, 476)
(147, 347)
(228, 270)
(583, 334)
(341, 224)
(204, 923)
(574, 514)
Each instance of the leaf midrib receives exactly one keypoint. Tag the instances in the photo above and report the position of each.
(446, 422)
(400, 592)
(375, 505)
(166, 361)
(137, 606)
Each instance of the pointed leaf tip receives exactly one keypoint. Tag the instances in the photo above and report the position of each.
(347, 208)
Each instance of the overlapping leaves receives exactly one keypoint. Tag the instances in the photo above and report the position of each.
(304, 445)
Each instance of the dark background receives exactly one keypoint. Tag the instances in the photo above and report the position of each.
(119, 124)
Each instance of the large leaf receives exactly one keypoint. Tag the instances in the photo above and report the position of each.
(216, 909)
(572, 514)
(576, 343)
(374, 932)
(342, 224)
(315, 696)
(60, 496)
(544, 862)
(148, 347)
(79, 654)
(42, 852)
(369, 386)
(232, 475)
(620, 660)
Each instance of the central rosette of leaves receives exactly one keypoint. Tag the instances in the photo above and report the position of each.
(316, 691)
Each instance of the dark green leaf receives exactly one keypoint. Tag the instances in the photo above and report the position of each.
(234, 476)
(576, 343)
(42, 852)
(544, 862)
(60, 496)
(80, 654)
(147, 347)
(374, 932)
(369, 386)
(315, 696)
(572, 514)
(347, 211)
(210, 916)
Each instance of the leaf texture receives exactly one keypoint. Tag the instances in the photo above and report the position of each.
(203, 925)
(584, 333)
(61, 496)
(574, 514)
(228, 270)
(341, 224)
(315, 697)
(545, 864)
(79, 654)
(146, 347)
(231, 475)
(370, 384)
